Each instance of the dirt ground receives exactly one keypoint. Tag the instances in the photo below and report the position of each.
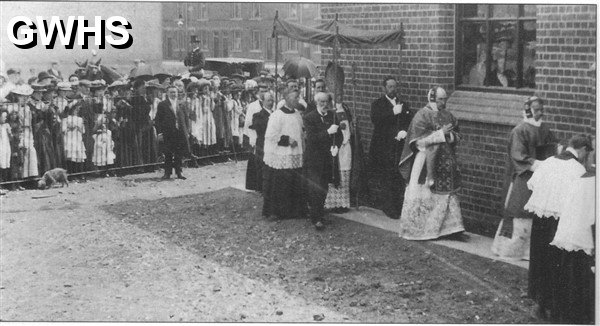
(137, 248)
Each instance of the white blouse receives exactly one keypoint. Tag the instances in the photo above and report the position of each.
(549, 184)
(574, 231)
(283, 124)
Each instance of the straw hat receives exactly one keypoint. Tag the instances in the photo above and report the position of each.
(22, 90)
(64, 86)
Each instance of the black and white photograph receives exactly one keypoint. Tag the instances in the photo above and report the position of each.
(298, 162)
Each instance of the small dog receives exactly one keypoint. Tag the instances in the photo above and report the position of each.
(53, 176)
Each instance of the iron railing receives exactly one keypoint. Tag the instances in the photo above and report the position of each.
(102, 135)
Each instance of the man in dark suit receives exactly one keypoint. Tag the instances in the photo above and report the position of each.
(391, 117)
(323, 140)
(171, 127)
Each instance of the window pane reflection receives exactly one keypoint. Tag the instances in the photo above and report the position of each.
(505, 11)
(474, 54)
(504, 56)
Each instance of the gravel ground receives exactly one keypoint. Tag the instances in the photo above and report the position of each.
(141, 249)
(64, 259)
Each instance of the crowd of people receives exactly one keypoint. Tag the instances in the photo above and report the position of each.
(86, 122)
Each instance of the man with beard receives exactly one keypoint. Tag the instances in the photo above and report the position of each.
(323, 140)
(391, 117)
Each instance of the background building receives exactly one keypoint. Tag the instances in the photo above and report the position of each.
(234, 29)
(547, 50)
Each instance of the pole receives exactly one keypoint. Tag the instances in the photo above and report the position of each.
(355, 125)
(276, 53)
(335, 86)
(396, 148)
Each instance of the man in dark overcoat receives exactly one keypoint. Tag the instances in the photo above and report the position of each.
(390, 115)
(171, 127)
(323, 140)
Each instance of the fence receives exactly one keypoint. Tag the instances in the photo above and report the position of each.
(110, 133)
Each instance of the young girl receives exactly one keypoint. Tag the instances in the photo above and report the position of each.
(103, 156)
(73, 130)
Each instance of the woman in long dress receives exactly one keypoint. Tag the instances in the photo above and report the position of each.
(26, 141)
(207, 122)
(431, 208)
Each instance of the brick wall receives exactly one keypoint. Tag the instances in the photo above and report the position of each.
(427, 58)
(565, 64)
(565, 76)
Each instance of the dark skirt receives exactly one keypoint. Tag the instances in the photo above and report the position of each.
(575, 289)
(251, 181)
(518, 196)
(283, 193)
(543, 262)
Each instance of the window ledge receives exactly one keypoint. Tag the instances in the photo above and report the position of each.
(505, 109)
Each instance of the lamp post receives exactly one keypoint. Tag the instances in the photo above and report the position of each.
(180, 23)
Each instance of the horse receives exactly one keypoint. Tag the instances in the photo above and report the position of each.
(96, 71)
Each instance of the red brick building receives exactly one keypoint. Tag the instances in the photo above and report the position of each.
(547, 50)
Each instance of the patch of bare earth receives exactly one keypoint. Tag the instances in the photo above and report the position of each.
(366, 273)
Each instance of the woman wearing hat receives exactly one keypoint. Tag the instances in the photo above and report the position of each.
(194, 104)
(17, 150)
(30, 163)
(235, 109)
(42, 121)
(129, 153)
(208, 136)
(226, 97)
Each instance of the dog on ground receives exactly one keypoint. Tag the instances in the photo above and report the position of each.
(51, 177)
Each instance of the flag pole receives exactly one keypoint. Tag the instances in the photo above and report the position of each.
(276, 52)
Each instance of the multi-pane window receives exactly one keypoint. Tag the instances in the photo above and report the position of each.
(204, 39)
(255, 10)
(237, 10)
(293, 11)
(237, 40)
(256, 36)
(202, 11)
(292, 45)
(496, 46)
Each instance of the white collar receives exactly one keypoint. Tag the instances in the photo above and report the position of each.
(532, 122)
(391, 99)
(572, 151)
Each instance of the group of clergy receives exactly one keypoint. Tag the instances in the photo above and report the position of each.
(302, 153)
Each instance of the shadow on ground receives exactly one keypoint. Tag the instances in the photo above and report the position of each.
(361, 271)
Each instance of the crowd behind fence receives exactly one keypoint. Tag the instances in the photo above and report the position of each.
(108, 131)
